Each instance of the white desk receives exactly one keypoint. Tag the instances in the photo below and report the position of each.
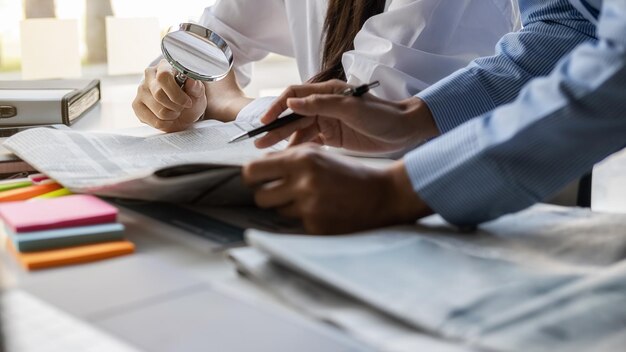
(114, 111)
(163, 271)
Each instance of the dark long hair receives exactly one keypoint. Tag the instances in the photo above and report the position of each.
(344, 20)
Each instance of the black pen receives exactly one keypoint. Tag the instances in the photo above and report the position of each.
(280, 122)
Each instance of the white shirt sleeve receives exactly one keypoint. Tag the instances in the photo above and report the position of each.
(415, 43)
(253, 111)
(410, 46)
(252, 29)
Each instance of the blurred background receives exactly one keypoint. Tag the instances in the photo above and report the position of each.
(114, 37)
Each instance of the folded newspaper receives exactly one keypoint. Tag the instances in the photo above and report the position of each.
(546, 279)
(194, 166)
(364, 323)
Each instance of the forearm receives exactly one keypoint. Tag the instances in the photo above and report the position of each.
(523, 152)
(489, 82)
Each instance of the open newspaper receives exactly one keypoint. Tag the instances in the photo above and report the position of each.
(546, 279)
(196, 165)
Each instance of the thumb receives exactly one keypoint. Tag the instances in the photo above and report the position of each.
(195, 89)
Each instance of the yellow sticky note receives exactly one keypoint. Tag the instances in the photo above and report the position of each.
(54, 194)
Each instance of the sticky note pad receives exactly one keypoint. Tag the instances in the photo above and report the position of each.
(7, 186)
(66, 237)
(54, 194)
(72, 255)
(46, 214)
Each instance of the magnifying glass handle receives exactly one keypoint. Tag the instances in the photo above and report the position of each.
(181, 78)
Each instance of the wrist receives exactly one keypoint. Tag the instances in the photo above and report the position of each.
(403, 203)
(421, 117)
(225, 98)
(226, 108)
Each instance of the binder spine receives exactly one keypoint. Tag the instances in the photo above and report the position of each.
(79, 102)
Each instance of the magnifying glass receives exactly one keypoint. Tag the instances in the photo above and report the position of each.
(197, 52)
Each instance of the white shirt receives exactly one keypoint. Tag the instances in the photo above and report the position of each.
(408, 47)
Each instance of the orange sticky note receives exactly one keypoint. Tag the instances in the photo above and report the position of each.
(71, 255)
(28, 192)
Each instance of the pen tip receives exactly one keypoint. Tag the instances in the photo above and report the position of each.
(238, 138)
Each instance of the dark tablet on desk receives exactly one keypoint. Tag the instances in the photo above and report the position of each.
(195, 223)
(222, 226)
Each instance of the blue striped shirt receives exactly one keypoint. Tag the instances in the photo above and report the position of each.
(551, 30)
(547, 134)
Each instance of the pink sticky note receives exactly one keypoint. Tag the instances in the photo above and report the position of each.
(75, 210)
(36, 178)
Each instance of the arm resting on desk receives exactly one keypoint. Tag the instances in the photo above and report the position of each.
(557, 128)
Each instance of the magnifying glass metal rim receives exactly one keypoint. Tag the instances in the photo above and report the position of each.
(202, 32)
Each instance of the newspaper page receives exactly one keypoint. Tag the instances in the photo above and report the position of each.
(124, 166)
(545, 279)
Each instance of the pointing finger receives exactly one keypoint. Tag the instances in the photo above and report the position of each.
(280, 104)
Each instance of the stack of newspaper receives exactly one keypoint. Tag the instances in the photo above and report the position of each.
(196, 166)
(546, 279)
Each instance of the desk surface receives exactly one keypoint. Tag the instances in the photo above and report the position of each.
(165, 267)
(114, 111)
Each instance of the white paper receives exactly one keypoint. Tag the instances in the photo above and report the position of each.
(123, 166)
(132, 43)
(364, 323)
(608, 185)
(27, 95)
(50, 48)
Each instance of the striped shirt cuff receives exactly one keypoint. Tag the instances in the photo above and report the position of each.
(455, 176)
(456, 99)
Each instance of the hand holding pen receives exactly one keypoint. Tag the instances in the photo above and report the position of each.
(288, 116)
(365, 124)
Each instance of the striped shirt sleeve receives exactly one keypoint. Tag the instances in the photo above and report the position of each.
(520, 153)
(551, 30)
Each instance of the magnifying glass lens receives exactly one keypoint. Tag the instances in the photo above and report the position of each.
(197, 52)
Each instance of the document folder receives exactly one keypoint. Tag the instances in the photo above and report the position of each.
(46, 102)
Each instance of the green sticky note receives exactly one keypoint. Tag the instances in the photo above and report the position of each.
(14, 185)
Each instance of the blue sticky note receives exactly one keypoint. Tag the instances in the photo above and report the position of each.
(66, 237)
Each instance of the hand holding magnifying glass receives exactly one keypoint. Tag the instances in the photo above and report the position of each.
(167, 100)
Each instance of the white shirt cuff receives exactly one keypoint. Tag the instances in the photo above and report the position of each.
(252, 112)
